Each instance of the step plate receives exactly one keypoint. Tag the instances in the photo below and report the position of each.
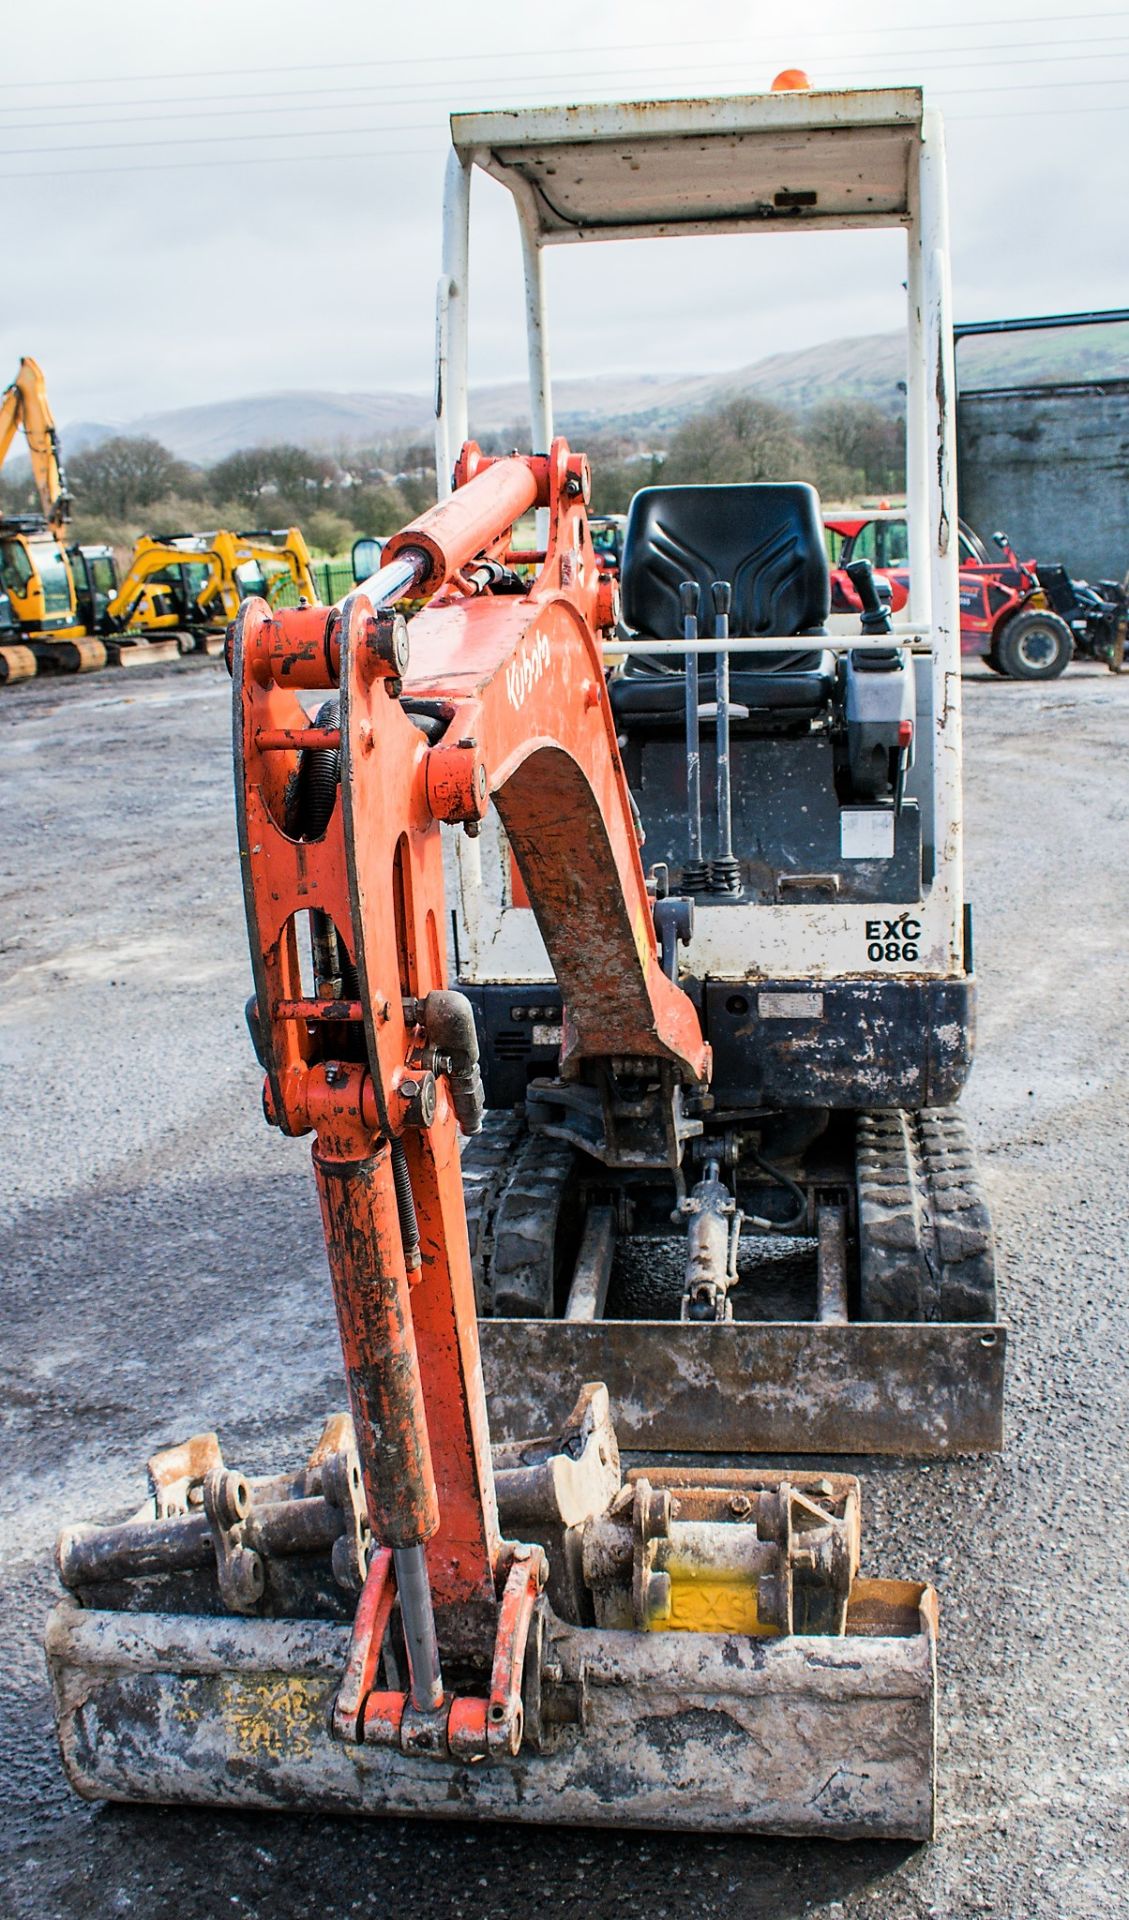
(707, 1732)
(756, 1386)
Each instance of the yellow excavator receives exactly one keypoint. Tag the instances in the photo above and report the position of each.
(39, 614)
(62, 605)
(194, 583)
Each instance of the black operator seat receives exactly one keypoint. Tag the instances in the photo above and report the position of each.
(767, 540)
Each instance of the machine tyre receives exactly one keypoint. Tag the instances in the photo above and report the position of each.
(925, 1235)
(1034, 645)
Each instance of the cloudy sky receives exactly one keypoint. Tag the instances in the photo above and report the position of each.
(248, 199)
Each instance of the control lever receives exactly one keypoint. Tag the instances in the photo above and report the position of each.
(725, 871)
(900, 780)
(875, 612)
(696, 875)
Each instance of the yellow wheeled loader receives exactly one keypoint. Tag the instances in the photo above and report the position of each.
(554, 1178)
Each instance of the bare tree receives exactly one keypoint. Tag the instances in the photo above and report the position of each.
(293, 475)
(745, 438)
(123, 474)
(863, 446)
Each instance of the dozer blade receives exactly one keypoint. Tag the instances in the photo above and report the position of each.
(70, 655)
(721, 1666)
(127, 652)
(892, 1348)
(757, 1386)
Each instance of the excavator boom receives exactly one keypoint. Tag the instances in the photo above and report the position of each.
(25, 404)
(516, 685)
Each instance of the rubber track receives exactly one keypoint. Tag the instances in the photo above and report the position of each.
(925, 1235)
(487, 1159)
(514, 1184)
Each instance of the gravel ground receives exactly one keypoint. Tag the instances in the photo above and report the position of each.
(163, 1273)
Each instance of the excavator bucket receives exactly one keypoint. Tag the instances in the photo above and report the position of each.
(703, 1653)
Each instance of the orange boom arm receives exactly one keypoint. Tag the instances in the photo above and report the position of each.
(382, 1064)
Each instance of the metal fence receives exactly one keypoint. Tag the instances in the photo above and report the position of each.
(332, 578)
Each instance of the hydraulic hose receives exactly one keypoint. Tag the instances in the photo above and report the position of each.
(319, 774)
(405, 1204)
(315, 795)
(781, 1179)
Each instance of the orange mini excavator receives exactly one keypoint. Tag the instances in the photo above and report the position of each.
(760, 1035)
(408, 1623)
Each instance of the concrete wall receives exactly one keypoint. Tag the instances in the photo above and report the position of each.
(1050, 465)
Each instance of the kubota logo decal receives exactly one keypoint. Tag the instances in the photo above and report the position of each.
(525, 671)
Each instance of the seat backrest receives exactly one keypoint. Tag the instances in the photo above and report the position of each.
(1055, 582)
(766, 539)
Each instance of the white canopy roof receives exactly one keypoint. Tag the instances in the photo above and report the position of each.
(660, 167)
